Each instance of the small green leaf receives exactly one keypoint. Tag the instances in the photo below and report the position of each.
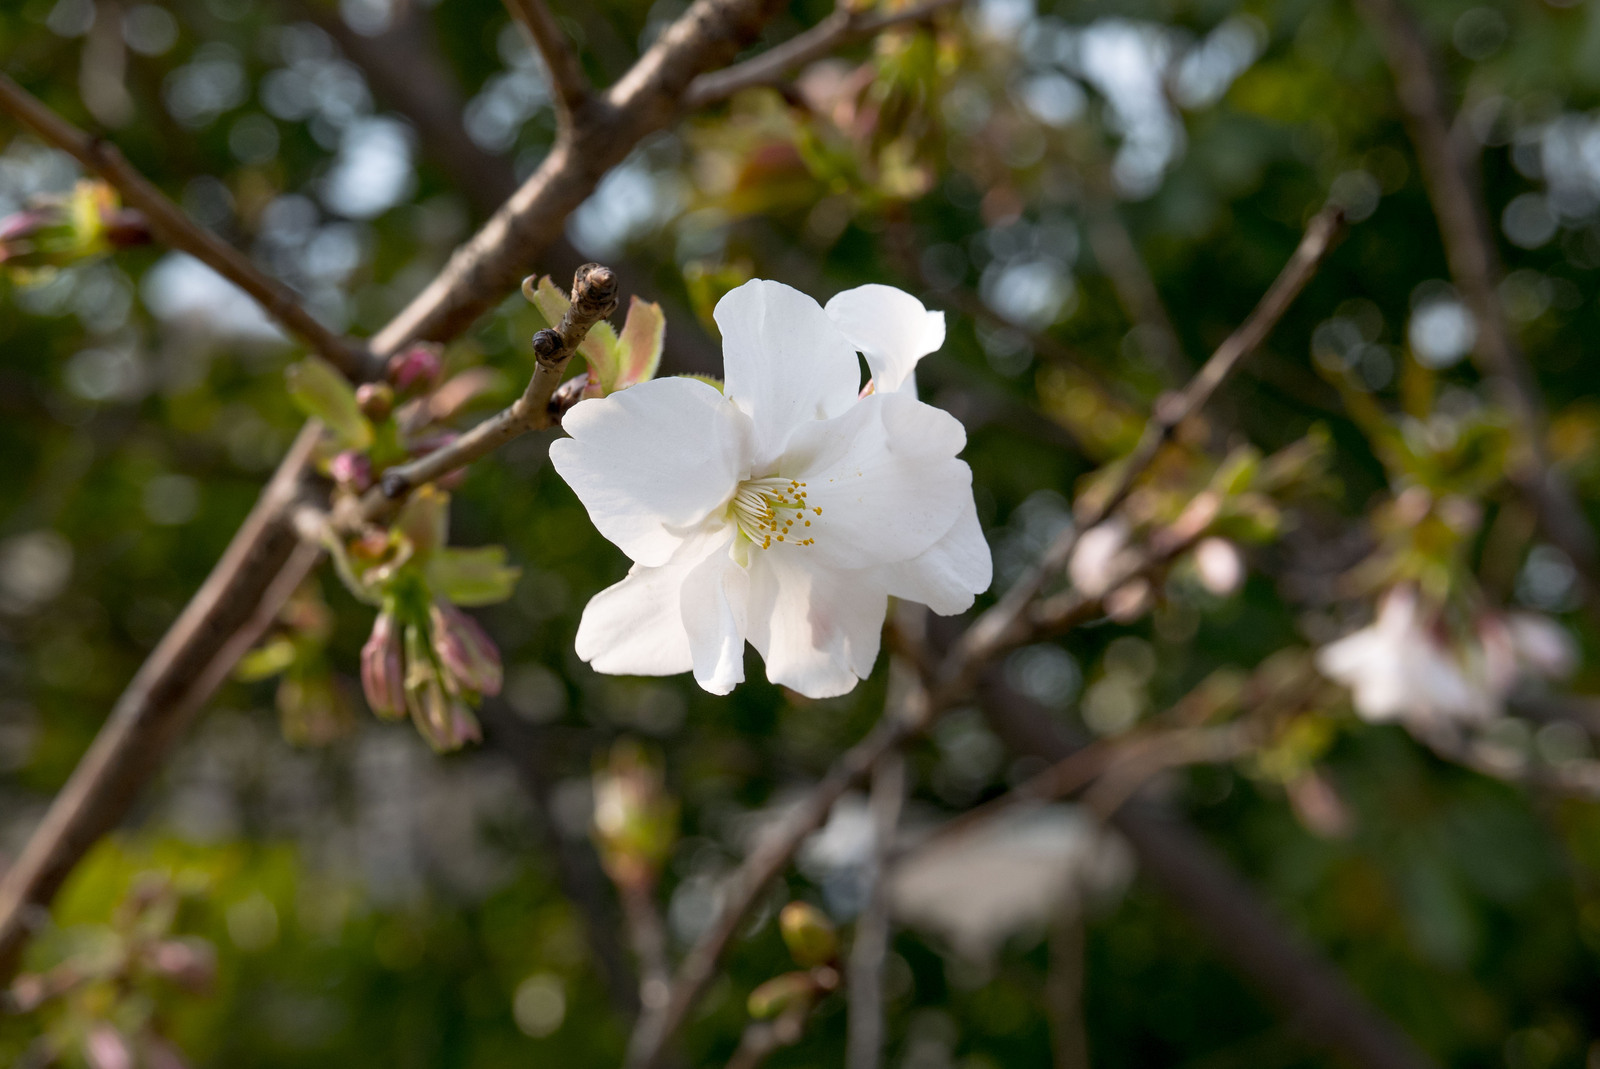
(543, 295)
(792, 990)
(266, 661)
(639, 346)
(322, 393)
(477, 576)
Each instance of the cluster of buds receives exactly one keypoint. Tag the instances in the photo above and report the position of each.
(99, 1004)
(58, 230)
(431, 666)
(635, 819)
(425, 656)
(378, 425)
(787, 999)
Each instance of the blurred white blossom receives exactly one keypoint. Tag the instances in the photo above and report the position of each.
(1021, 872)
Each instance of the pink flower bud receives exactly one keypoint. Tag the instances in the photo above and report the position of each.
(465, 649)
(376, 400)
(443, 719)
(382, 669)
(351, 470)
(417, 369)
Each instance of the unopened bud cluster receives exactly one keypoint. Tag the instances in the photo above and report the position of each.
(814, 945)
(59, 230)
(98, 1005)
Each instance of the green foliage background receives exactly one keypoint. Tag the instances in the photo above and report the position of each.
(412, 895)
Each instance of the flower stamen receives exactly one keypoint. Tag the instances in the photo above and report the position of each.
(765, 510)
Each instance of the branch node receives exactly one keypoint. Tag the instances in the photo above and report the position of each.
(546, 345)
(394, 484)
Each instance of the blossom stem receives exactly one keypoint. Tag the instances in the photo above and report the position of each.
(594, 296)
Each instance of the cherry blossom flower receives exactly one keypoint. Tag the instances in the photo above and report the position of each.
(1397, 668)
(784, 509)
(1025, 870)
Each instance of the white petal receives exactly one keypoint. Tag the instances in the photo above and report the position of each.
(817, 629)
(635, 628)
(892, 329)
(948, 575)
(715, 602)
(651, 460)
(886, 478)
(785, 361)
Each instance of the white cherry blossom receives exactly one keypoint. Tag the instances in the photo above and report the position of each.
(1398, 669)
(783, 510)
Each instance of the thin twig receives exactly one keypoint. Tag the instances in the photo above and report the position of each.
(1578, 778)
(741, 891)
(594, 297)
(1315, 996)
(842, 27)
(1458, 203)
(168, 223)
(869, 952)
(1171, 410)
(403, 66)
(762, 1039)
(1125, 762)
(571, 85)
(1115, 251)
(648, 935)
(1063, 984)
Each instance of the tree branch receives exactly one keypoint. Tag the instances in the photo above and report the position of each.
(1318, 1000)
(202, 647)
(869, 951)
(648, 98)
(1463, 216)
(594, 297)
(567, 80)
(762, 1039)
(1004, 617)
(169, 223)
(741, 890)
(840, 28)
(193, 658)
